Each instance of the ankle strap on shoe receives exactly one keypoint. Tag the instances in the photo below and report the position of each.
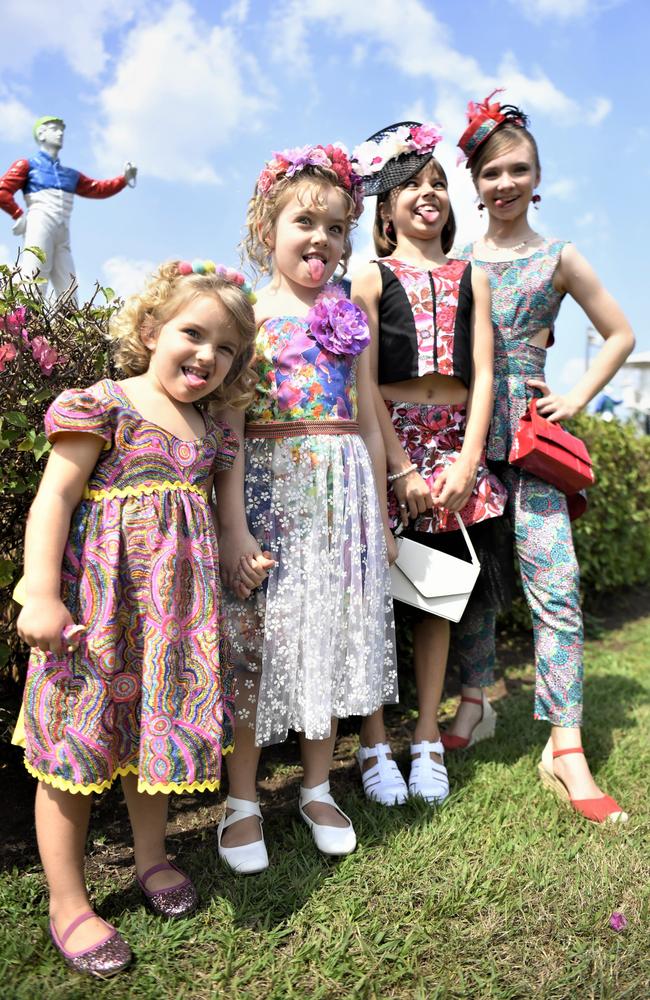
(77, 922)
(319, 793)
(379, 750)
(474, 701)
(561, 753)
(244, 806)
(426, 747)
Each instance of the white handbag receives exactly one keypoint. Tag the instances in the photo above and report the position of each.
(433, 581)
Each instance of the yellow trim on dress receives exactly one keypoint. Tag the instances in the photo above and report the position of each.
(65, 785)
(116, 492)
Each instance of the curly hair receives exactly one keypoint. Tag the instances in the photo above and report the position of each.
(162, 298)
(385, 244)
(264, 209)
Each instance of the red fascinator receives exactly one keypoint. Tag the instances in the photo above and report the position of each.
(483, 119)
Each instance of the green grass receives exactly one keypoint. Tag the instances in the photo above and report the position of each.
(503, 893)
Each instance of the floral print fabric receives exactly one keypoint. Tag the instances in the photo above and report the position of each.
(317, 640)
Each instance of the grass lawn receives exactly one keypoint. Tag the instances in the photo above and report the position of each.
(502, 893)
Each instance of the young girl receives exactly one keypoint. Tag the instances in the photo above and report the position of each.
(431, 356)
(529, 276)
(120, 549)
(317, 642)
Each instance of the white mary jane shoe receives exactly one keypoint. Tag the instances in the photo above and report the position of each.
(334, 840)
(428, 779)
(247, 859)
(383, 782)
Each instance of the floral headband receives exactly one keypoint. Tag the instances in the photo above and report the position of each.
(483, 119)
(227, 273)
(289, 162)
(392, 155)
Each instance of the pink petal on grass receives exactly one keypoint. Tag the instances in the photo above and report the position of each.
(617, 921)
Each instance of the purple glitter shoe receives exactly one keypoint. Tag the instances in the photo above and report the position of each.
(107, 958)
(177, 901)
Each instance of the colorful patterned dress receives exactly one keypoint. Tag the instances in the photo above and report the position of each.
(525, 302)
(317, 641)
(145, 693)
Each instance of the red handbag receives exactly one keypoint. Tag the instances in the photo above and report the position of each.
(550, 452)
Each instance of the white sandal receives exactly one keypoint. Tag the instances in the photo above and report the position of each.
(383, 782)
(333, 840)
(247, 859)
(428, 778)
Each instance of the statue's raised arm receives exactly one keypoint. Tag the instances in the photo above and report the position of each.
(49, 189)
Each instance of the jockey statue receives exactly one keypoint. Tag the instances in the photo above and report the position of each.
(49, 189)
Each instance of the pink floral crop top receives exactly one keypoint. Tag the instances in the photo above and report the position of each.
(424, 320)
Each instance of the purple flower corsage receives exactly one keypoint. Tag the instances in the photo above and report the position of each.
(338, 325)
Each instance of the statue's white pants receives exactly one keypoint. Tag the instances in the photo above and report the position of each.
(53, 237)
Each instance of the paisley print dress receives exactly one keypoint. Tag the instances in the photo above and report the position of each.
(147, 690)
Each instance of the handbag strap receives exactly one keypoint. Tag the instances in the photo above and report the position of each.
(461, 525)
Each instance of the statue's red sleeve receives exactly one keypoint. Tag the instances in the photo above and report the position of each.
(88, 188)
(11, 182)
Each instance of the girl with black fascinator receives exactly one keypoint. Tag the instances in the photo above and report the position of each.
(431, 356)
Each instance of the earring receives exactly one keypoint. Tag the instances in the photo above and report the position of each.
(536, 200)
(480, 207)
(389, 229)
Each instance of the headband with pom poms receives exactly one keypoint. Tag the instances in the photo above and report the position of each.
(394, 154)
(483, 119)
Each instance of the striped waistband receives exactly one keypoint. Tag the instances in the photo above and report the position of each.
(299, 428)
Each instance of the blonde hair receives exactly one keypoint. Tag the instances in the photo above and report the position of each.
(161, 299)
(497, 142)
(264, 209)
(385, 244)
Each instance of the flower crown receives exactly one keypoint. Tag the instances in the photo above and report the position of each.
(370, 157)
(227, 273)
(289, 162)
(483, 119)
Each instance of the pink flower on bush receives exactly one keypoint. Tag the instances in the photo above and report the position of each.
(15, 321)
(44, 354)
(7, 353)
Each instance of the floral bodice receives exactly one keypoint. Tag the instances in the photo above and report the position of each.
(297, 378)
(524, 300)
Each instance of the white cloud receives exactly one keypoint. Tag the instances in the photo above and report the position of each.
(7, 256)
(70, 28)
(180, 90)
(418, 44)
(587, 219)
(601, 107)
(16, 119)
(572, 371)
(562, 189)
(126, 276)
(561, 10)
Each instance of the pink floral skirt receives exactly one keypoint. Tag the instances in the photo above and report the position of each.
(432, 435)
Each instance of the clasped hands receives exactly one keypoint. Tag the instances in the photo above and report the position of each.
(244, 565)
(450, 491)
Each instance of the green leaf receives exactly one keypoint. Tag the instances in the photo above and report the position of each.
(16, 419)
(37, 253)
(7, 569)
(41, 446)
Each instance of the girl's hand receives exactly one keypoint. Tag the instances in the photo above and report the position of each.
(552, 406)
(453, 487)
(413, 496)
(41, 623)
(236, 549)
(253, 571)
(391, 545)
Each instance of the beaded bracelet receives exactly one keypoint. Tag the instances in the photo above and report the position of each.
(398, 475)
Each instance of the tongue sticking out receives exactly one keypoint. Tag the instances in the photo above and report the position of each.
(316, 268)
(428, 214)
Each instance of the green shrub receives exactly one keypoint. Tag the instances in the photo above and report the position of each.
(612, 539)
(45, 347)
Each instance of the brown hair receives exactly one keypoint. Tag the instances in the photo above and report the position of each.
(385, 244)
(264, 209)
(502, 137)
(162, 298)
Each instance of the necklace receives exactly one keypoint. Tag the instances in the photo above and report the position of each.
(516, 247)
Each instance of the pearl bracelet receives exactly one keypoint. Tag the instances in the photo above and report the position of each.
(398, 475)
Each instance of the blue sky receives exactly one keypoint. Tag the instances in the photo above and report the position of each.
(198, 93)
